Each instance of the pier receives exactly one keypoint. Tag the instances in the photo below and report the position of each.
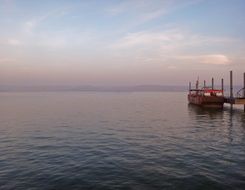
(239, 97)
(211, 97)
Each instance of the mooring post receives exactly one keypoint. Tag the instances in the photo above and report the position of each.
(212, 83)
(231, 89)
(222, 86)
(244, 90)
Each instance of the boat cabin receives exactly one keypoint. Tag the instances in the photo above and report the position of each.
(206, 92)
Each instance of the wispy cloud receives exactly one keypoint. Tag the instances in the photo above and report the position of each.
(139, 11)
(142, 11)
(168, 40)
(148, 38)
(31, 24)
(34, 22)
(215, 59)
(33, 34)
(173, 46)
(126, 6)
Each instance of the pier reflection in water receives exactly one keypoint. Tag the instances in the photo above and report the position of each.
(222, 120)
(220, 133)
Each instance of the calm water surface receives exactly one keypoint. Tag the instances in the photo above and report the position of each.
(82, 140)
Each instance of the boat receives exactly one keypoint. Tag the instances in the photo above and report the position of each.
(206, 97)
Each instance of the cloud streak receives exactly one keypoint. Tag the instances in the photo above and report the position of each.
(173, 45)
(167, 38)
(213, 59)
(142, 12)
(34, 22)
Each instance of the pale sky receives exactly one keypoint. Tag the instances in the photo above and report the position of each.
(120, 42)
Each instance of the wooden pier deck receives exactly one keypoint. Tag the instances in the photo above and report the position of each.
(234, 100)
(239, 98)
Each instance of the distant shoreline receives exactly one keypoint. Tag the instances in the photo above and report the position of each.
(137, 88)
(88, 88)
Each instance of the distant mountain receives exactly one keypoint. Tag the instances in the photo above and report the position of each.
(136, 88)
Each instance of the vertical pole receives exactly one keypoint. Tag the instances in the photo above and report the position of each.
(222, 86)
(204, 84)
(212, 83)
(189, 86)
(231, 85)
(231, 89)
(244, 89)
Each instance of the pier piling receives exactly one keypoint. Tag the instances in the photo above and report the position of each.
(244, 90)
(222, 85)
(212, 83)
(231, 89)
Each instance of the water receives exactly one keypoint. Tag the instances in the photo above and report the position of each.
(83, 140)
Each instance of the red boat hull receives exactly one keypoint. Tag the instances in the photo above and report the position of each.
(206, 101)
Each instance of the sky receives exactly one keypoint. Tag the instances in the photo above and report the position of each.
(120, 42)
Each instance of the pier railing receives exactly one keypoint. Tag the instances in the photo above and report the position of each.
(240, 93)
(239, 98)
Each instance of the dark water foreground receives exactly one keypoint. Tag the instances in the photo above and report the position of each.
(118, 141)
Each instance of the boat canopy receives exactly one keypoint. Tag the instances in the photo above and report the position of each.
(207, 90)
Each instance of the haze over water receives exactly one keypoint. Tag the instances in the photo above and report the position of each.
(112, 140)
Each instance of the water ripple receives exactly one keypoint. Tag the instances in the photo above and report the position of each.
(115, 141)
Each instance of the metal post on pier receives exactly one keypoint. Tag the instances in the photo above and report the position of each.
(189, 86)
(222, 86)
(212, 83)
(244, 90)
(231, 89)
(204, 84)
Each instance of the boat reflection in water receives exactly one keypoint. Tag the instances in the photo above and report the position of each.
(223, 121)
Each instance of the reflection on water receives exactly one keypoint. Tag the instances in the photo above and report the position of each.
(215, 117)
(118, 141)
(204, 112)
